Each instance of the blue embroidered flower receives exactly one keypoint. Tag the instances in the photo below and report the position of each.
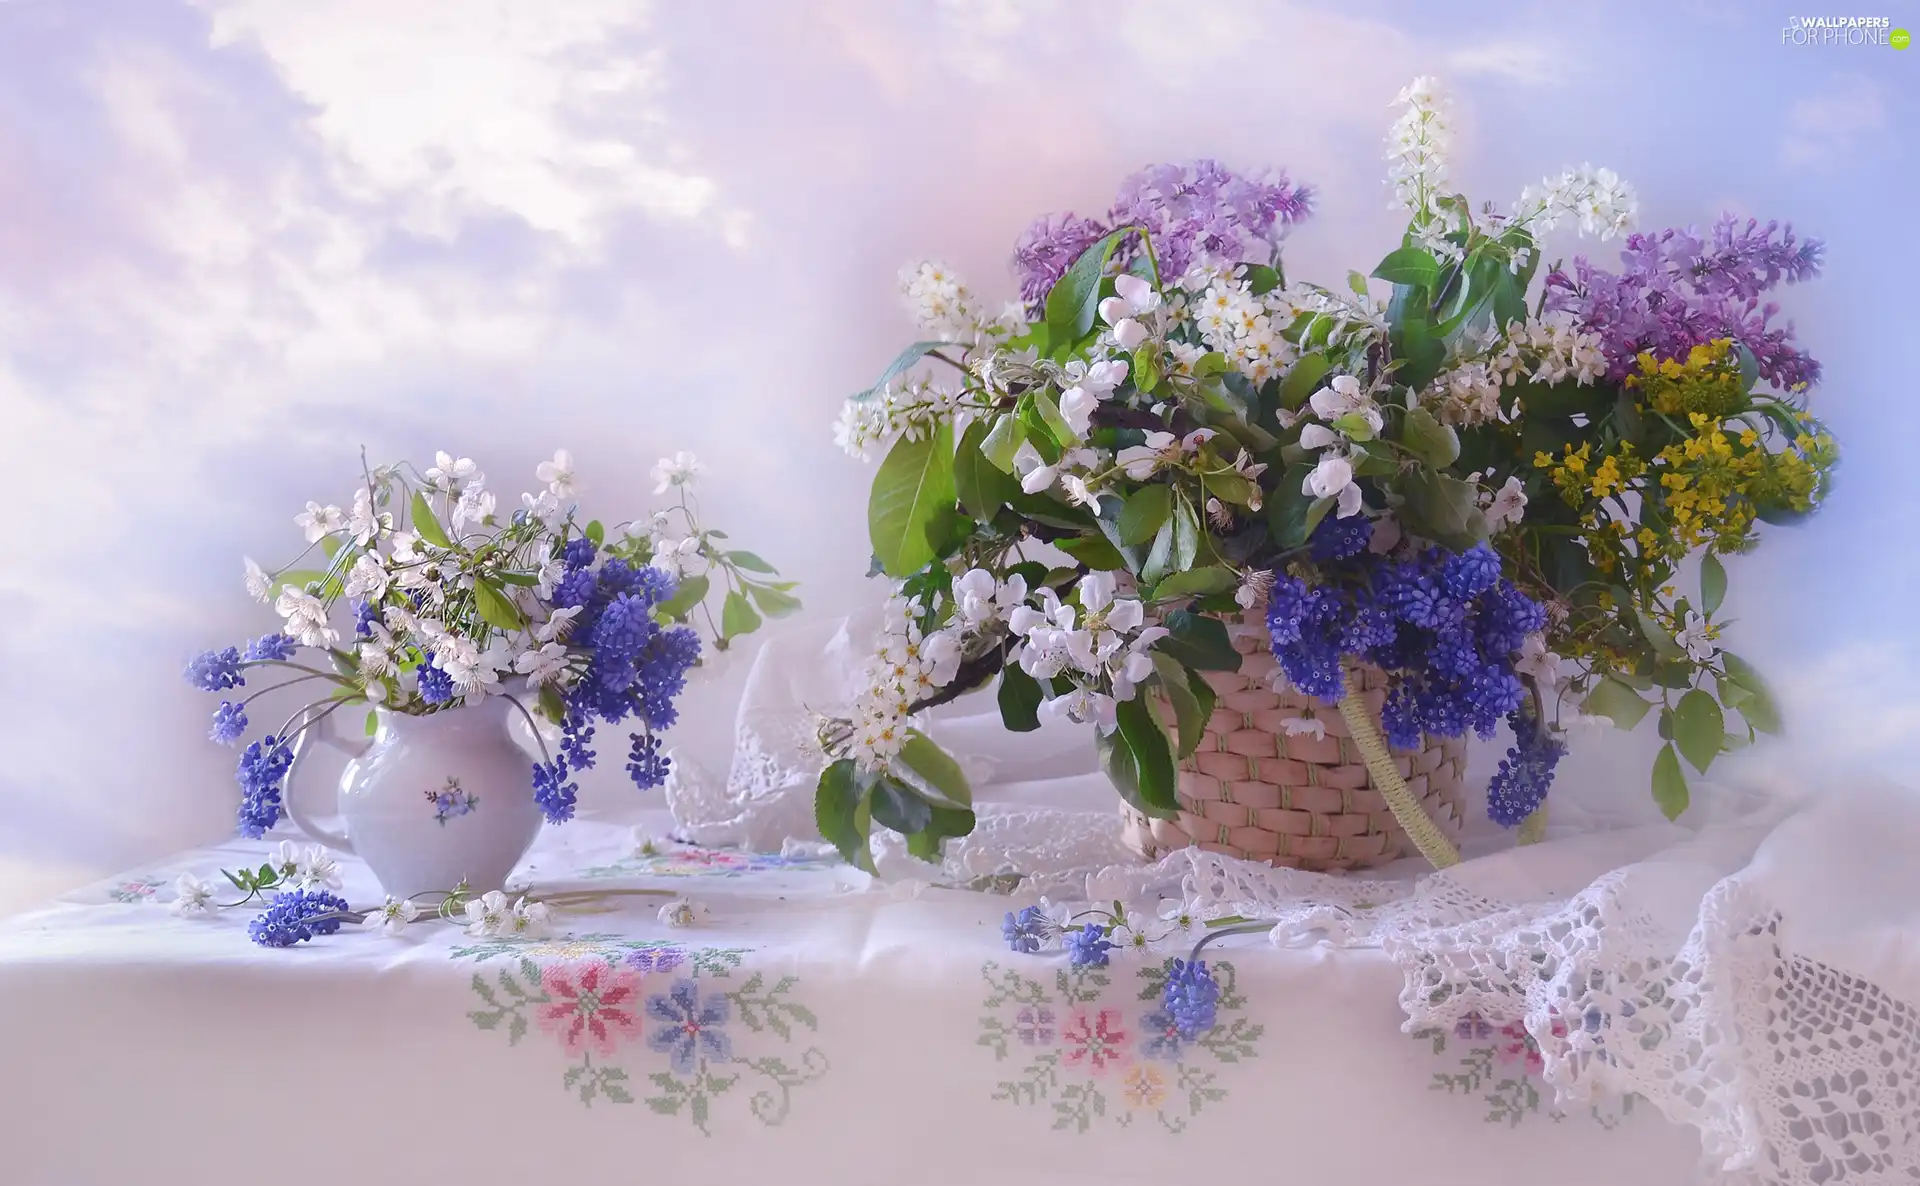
(1036, 1025)
(1161, 1036)
(687, 1028)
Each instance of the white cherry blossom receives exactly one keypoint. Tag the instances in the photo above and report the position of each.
(557, 474)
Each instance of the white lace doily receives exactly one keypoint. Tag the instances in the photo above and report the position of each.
(1755, 978)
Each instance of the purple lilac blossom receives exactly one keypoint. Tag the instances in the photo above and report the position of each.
(1201, 212)
(1047, 248)
(1198, 212)
(1678, 290)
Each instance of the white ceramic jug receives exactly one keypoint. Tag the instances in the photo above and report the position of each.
(428, 801)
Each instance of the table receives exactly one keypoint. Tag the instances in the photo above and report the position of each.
(806, 1031)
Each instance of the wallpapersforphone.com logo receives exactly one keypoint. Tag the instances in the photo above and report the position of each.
(1843, 30)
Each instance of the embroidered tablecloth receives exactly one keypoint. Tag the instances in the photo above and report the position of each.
(808, 1030)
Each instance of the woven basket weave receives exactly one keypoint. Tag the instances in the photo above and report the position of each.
(1255, 791)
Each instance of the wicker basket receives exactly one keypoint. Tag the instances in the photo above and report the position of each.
(1255, 791)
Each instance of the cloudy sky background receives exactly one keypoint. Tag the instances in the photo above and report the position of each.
(239, 239)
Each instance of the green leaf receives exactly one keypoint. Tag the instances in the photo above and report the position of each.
(898, 806)
(902, 363)
(1318, 511)
(1713, 583)
(1074, 299)
(425, 525)
(1355, 426)
(737, 616)
(1056, 423)
(750, 562)
(1301, 380)
(1442, 508)
(774, 603)
(1698, 727)
(1146, 509)
(373, 722)
(1160, 555)
(1198, 641)
(299, 578)
(933, 764)
(1261, 279)
(1357, 283)
(1408, 265)
(1287, 507)
(1759, 708)
(1561, 400)
(1152, 756)
(691, 592)
(1196, 582)
(494, 607)
(1093, 551)
(1019, 696)
(912, 489)
(596, 531)
(1190, 722)
(1411, 333)
(980, 485)
(1436, 443)
(1002, 441)
(1669, 783)
(1146, 366)
(1186, 534)
(1656, 635)
(838, 808)
(1230, 487)
(1616, 701)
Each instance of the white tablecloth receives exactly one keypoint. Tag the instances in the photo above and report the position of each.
(807, 1032)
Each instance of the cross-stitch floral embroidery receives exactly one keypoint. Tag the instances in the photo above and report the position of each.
(590, 1006)
(1089, 1050)
(1501, 1064)
(700, 1034)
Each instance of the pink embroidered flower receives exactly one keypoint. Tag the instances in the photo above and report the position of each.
(1518, 1045)
(1095, 1041)
(591, 1005)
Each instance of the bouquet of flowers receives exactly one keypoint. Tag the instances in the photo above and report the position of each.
(1483, 481)
(425, 596)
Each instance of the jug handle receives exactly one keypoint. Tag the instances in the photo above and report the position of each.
(317, 730)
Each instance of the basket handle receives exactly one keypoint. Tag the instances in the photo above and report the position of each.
(1425, 834)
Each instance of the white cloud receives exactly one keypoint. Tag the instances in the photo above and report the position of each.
(551, 112)
(1825, 130)
(1534, 63)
